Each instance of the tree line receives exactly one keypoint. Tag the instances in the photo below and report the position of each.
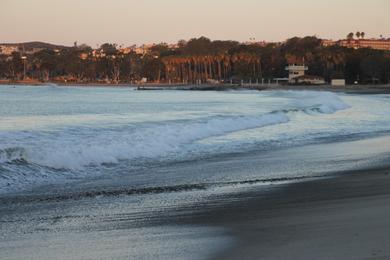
(198, 60)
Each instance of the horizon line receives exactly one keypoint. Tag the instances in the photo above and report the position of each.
(253, 40)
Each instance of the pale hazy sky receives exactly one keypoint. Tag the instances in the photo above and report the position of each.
(144, 21)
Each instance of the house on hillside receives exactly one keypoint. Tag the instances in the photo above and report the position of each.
(376, 44)
(8, 49)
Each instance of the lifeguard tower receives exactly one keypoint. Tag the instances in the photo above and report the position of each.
(295, 71)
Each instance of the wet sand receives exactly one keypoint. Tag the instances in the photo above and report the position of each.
(346, 217)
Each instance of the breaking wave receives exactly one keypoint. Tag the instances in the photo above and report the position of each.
(13, 155)
(44, 156)
(146, 142)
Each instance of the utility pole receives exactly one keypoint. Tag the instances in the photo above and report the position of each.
(24, 58)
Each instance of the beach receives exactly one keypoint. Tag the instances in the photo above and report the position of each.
(190, 130)
(336, 215)
(346, 217)
(117, 174)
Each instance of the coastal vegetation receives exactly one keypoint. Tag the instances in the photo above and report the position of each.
(199, 60)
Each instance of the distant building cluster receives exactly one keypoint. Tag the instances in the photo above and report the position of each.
(259, 43)
(144, 49)
(8, 49)
(140, 50)
(377, 44)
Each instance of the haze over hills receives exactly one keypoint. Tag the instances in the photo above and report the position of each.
(36, 45)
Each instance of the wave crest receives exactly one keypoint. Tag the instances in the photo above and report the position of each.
(149, 142)
(157, 140)
(13, 155)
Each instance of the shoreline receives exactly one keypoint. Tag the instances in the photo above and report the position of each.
(337, 217)
(106, 186)
(350, 89)
(340, 215)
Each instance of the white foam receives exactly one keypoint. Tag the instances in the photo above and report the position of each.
(146, 142)
(315, 101)
(179, 133)
(70, 150)
(12, 154)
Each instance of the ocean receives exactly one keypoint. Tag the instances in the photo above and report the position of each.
(135, 154)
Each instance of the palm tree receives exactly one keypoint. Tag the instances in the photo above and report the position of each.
(358, 35)
(362, 34)
(350, 36)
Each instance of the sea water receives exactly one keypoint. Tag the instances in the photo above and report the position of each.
(62, 134)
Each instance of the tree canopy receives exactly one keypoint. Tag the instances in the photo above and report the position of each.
(200, 60)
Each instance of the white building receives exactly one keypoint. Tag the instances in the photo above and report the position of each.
(295, 71)
(338, 82)
(8, 49)
(309, 80)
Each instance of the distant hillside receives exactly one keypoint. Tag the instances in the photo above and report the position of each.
(33, 45)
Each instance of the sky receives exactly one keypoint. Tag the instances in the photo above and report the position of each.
(128, 22)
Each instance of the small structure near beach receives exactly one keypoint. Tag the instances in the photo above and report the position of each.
(338, 82)
(295, 71)
(309, 80)
(296, 75)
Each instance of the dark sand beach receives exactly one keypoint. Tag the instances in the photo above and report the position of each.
(345, 217)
